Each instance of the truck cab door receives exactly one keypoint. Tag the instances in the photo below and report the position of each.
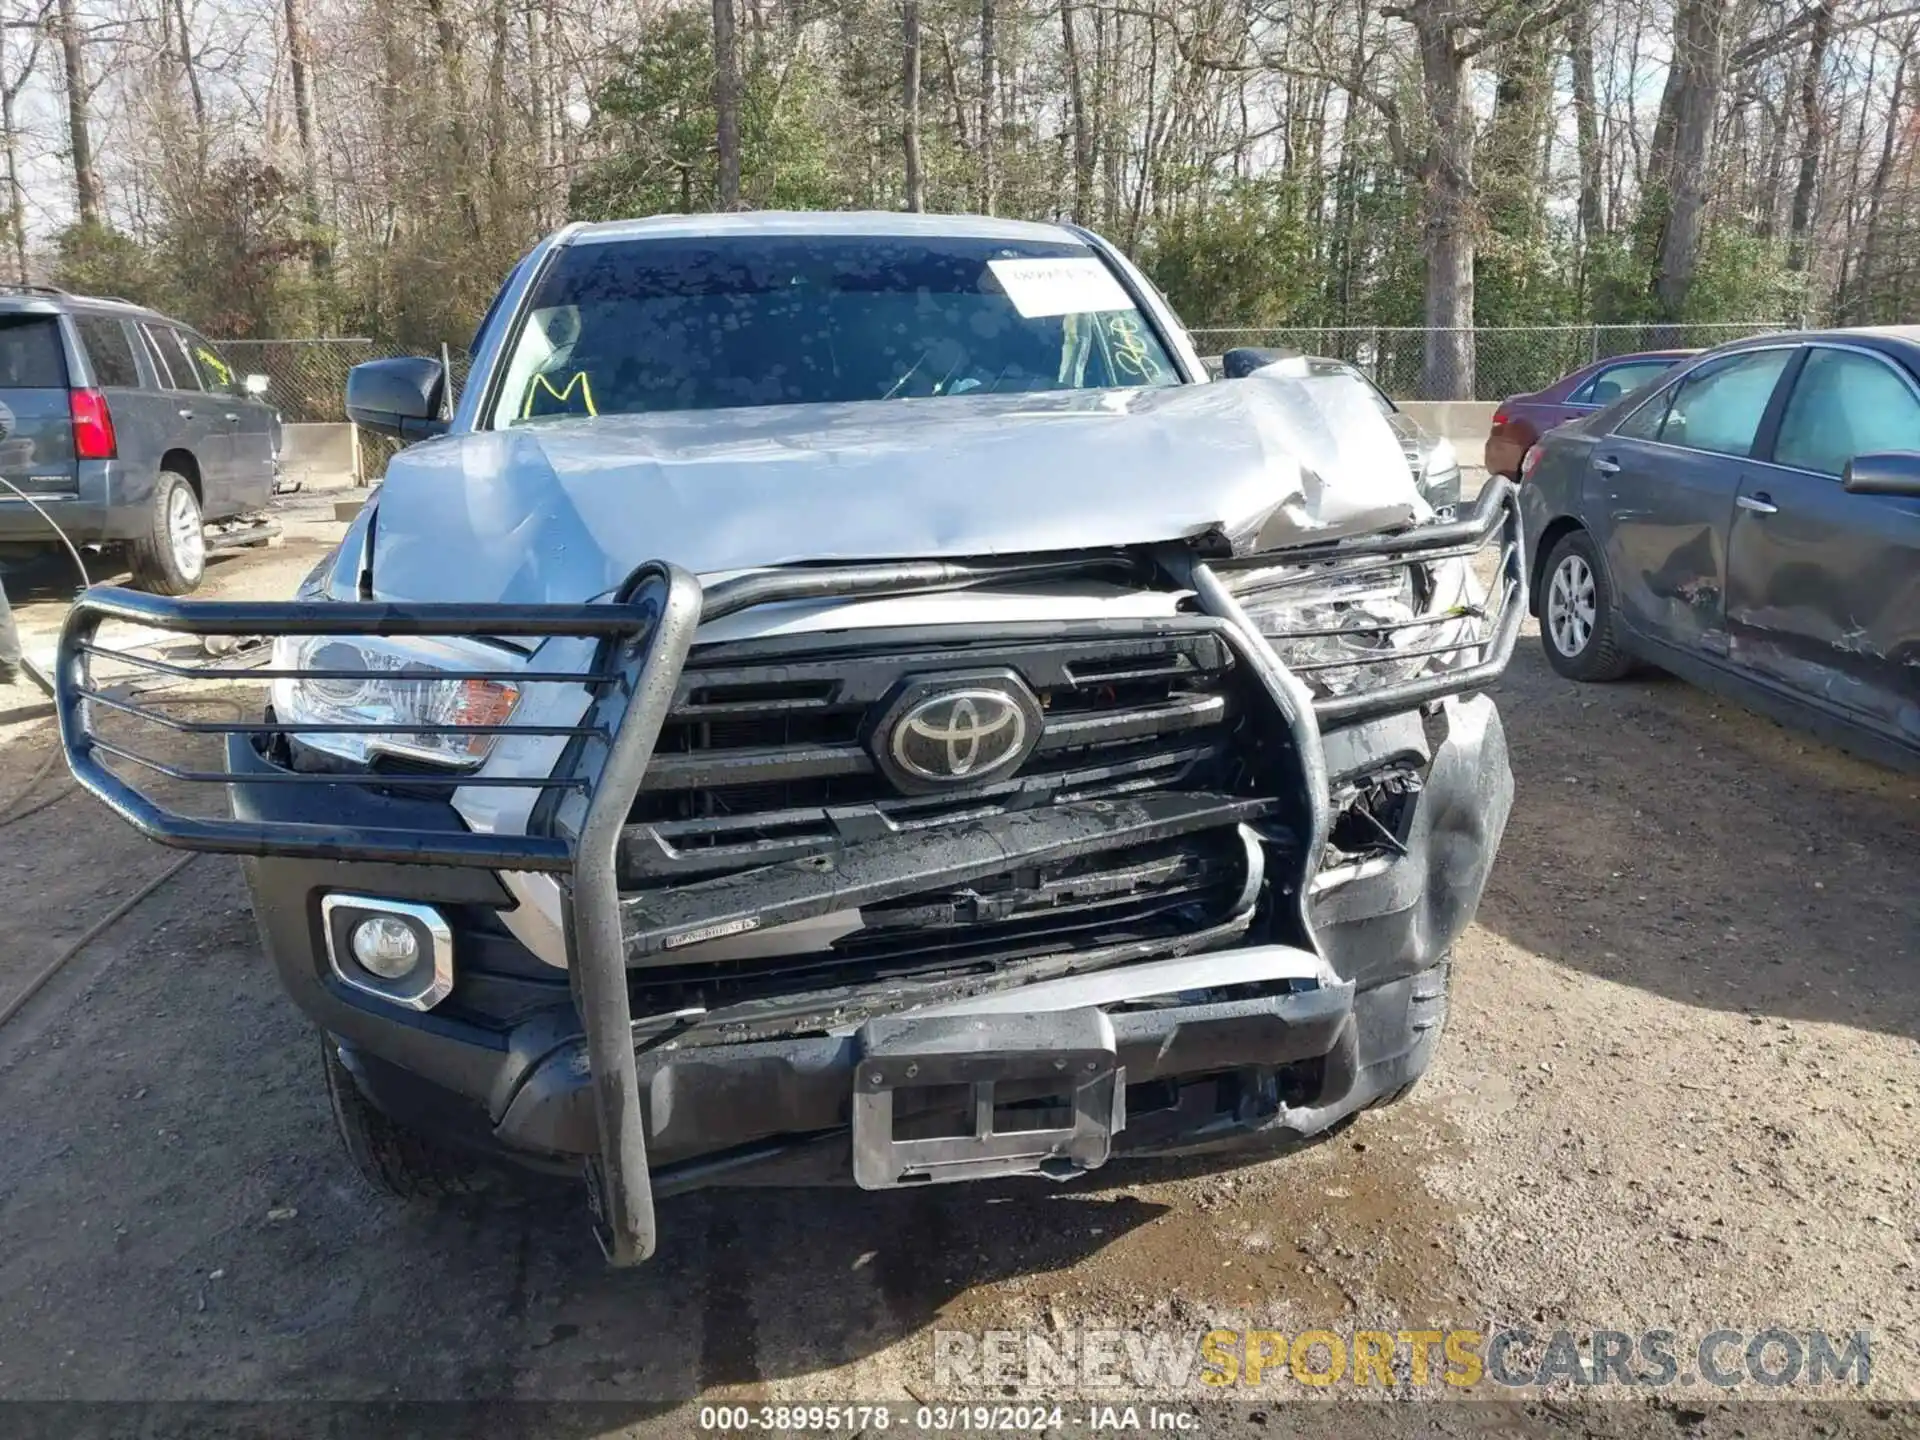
(1665, 481)
(1823, 586)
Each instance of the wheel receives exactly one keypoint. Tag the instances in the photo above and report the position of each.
(1576, 614)
(391, 1158)
(171, 558)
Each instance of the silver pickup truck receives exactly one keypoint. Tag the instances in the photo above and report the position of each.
(845, 699)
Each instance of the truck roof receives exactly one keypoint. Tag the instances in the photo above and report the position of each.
(798, 222)
(48, 300)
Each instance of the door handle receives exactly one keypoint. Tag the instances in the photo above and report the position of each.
(1761, 504)
(233, 416)
(184, 413)
(1607, 465)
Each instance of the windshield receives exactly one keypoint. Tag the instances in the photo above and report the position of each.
(708, 323)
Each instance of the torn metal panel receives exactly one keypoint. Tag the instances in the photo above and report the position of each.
(564, 510)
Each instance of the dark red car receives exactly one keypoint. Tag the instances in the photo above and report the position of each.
(1523, 419)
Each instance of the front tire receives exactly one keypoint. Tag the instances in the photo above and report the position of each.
(171, 557)
(1577, 628)
(392, 1159)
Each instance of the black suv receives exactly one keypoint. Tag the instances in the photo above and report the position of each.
(125, 428)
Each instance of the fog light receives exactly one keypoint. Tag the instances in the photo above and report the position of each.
(396, 951)
(386, 946)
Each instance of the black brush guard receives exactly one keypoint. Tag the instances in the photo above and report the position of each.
(642, 639)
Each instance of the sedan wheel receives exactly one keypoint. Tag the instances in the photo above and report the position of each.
(1576, 613)
(1571, 606)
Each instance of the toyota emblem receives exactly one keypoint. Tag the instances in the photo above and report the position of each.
(962, 736)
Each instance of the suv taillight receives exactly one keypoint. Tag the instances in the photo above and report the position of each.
(92, 425)
(1499, 418)
(1530, 462)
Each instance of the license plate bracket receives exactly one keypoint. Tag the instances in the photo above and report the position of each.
(1069, 1053)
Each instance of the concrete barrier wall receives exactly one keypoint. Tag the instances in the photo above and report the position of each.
(320, 455)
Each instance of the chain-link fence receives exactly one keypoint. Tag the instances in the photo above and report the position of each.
(1505, 359)
(307, 378)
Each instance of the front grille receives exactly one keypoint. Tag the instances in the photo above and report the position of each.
(1150, 897)
(1122, 832)
(766, 755)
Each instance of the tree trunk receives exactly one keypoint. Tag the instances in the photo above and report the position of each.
(1813, 133)
(1688, 109)
(1448, 222)
(537, 110)
(1083, 156)
(1593, 212)
(16, 194)
(955, 99)
(453, 66)
(1877, 191)
(910, 104)
(194, 92)
(501, 207)
(320, 256)
(989, 123)
(726, 103)
(73, 56)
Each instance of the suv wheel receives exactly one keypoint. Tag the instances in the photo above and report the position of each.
(1576, 613)
(391, 1158)
(171, 558)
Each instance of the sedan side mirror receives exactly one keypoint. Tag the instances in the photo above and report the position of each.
(1891, 472)
(1243, 360)
(401, 396)
(255, 385)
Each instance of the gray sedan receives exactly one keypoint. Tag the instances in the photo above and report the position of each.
(1753, 525)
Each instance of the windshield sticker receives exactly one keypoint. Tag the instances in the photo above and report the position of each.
(540, 392)
(213, 365)
(1069, 285)
(1130, 353)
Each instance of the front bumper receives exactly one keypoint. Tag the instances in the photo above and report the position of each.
(502, 1067)
(1261, 1038)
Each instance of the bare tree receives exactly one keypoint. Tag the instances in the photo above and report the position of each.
(12, 83)
(73, 57)
(1812, 130)
(989, 114)
(300, 63)
(910, 103)
(1593, 208)
(726, 102)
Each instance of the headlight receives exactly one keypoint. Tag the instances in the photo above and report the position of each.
(413, 683)
(1357, 629)
(1441, 458)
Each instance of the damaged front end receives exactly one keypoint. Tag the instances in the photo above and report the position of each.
(893, 903)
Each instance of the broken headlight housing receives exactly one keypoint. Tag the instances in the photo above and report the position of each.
(413, 690)
(1359, 625)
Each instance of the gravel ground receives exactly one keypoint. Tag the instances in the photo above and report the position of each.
(1676, 1091)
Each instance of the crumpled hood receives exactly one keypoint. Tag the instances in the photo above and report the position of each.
(564, 510)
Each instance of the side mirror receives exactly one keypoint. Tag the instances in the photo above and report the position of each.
(255, 385)
(401, 396)
(1891, 472)
(1243, 360)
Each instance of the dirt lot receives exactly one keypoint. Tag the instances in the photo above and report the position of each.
(1677, 1090)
